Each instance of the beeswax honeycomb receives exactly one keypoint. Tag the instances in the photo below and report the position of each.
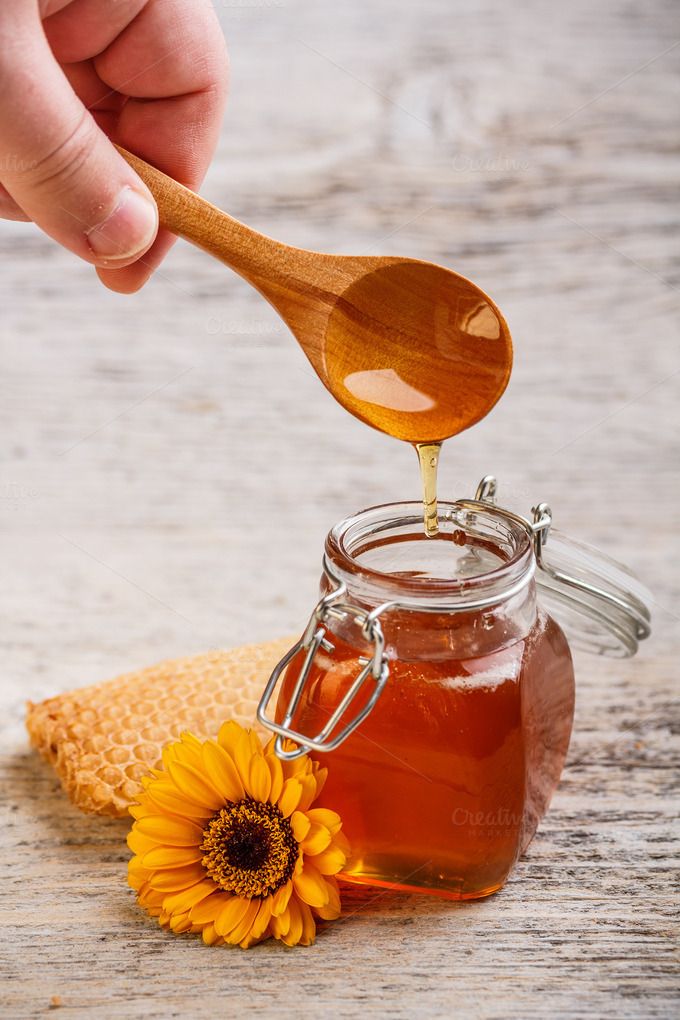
(102, 739)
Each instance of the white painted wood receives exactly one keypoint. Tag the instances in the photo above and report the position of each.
(519, 145)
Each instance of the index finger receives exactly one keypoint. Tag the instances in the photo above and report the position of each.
(171, 64)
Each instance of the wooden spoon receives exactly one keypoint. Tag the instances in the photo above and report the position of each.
(409, 347)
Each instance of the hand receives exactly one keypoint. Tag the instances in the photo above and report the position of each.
(76, 75)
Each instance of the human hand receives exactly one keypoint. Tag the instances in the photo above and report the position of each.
(78, 75)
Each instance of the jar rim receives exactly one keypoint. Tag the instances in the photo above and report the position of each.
(404, 520)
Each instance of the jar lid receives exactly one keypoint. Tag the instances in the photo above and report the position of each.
(601, 605)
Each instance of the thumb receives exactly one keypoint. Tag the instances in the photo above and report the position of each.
(60, 168)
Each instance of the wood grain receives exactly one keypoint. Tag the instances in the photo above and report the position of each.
(530, 147)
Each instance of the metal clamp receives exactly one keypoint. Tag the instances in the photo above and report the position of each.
(539, 529)
(375, 667)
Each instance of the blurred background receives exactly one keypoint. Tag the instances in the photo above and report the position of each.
(170, 463)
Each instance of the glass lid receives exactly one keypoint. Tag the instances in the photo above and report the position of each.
(602, 607)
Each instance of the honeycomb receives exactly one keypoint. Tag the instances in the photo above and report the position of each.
(102, 739)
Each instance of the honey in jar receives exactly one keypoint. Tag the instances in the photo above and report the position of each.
(439, 691)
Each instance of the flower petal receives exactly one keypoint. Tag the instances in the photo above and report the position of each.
(263, 918)
(209, 935)
(242, 928)
(321, 775)
(311, 886)
(169, 831)
(169, 753)
(300, 824)
(187, 749)
(194, 786)
(174, 879)
(186, 899)
(190, 740)
(222, 772)
(137, 873)
(276, 772)
(330, 861)
(150, 776)
(342, 843)
(233, 911)
(293, 766)
(332, 909)
(281, 924)
(208, 909)
(331, 819)
(229, 735)
(139, 810)
(308, 791)
(280, 899)
(308, 925)
(290, 797)
(164, 796)
(242, 754)
(259, 778)
(180, 922)
(162, 857)
(255, 742)
(316, 840)
(138, 843)
(151, 900)
(249, 941)
(294, 933)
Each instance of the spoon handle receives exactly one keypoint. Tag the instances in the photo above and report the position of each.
(186, 214)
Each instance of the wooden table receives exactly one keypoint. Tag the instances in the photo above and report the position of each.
(532, 148)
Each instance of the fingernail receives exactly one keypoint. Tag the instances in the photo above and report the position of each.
(128, 229)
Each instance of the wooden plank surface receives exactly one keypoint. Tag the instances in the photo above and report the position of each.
(532, 147)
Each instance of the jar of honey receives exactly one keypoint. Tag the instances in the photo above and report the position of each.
(435, 681)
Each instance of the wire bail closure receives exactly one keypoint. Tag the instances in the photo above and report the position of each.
(314, 637)
(617, 610)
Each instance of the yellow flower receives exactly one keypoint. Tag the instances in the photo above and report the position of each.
(227, 843)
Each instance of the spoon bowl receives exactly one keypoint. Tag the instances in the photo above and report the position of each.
(411, 348)
(435, 352)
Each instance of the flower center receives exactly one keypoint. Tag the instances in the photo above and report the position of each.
(249, 849)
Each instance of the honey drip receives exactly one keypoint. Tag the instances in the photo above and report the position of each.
(428, 457)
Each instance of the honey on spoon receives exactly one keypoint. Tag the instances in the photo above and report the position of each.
(410, 348)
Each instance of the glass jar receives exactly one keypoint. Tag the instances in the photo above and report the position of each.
(439, 690)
